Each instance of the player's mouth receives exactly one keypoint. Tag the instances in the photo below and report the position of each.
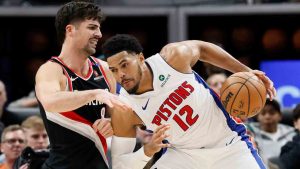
(126, 82)
(94, 42)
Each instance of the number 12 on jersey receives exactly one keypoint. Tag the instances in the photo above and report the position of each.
(189, 119)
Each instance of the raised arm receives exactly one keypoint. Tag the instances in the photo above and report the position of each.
(182, 56)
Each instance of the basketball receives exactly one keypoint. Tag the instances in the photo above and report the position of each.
(243, 95)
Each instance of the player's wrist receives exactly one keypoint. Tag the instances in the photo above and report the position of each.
(148, 151)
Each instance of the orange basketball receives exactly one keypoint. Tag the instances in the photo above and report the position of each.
(243, 94)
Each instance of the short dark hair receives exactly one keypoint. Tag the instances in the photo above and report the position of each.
(296, 112)
(119, 43)
(10, 128)
(73, 12)
(274, 103)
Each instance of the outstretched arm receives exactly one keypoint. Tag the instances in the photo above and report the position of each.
(182, 56)
(50, 90)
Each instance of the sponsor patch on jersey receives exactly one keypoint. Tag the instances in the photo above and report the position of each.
(165, 79)
(161, 77)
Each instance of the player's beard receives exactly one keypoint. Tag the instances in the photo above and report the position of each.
(89, 49)
(136, 87)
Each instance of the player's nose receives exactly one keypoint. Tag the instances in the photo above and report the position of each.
(98, 34)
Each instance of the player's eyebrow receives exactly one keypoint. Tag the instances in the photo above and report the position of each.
(122, 61)
(91, 24)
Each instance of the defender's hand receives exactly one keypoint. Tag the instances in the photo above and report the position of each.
(103, 125)
(111, 100)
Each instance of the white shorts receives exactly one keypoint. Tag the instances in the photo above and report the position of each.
(234, 156)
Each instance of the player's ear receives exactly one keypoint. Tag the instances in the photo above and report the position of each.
(141, 57)
(69, 30)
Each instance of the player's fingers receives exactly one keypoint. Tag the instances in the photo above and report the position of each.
(120, 104)
(96, 124)
(160, 127)
(100, 124)
(258, 72)
(166, 145)
(107, 133)
(159, 139)
(102, 113)
(271, 93)
(106, 127)
(163, 129)
(270, 88)
(274, 92)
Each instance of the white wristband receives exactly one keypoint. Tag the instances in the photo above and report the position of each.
(123, 156)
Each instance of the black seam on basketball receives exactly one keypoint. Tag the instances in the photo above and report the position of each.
(237, 94)
(226, 89)
(248, 100)
(250, 77)
(261, 98)
(253, 78)
(229, 86)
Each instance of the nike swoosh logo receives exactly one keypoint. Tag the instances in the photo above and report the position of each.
(145, 107)
(98, 77)
(73, 79)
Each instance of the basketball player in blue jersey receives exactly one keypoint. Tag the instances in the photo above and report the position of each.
(73, 88)
(169, 98)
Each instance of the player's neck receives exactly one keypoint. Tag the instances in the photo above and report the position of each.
(146, 83)
(74, 59)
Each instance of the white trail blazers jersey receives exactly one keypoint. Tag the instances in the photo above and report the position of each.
(195, 113)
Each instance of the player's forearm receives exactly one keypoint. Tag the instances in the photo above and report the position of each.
(123, 156)
(63, 101)
(215, 55)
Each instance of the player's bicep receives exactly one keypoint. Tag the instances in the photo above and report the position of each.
(47, 81)
(122, 123)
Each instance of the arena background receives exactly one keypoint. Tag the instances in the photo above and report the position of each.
(257, 32)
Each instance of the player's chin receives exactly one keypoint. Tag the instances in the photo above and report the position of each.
(91, 50)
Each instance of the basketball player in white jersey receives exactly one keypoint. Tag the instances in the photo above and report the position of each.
(169, 98)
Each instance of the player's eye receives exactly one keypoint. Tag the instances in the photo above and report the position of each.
(113, 70)
(124, 65)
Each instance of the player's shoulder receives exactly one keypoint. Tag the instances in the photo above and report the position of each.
(176, 54)
(49, 69)
(175, 49)
(102, 63)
